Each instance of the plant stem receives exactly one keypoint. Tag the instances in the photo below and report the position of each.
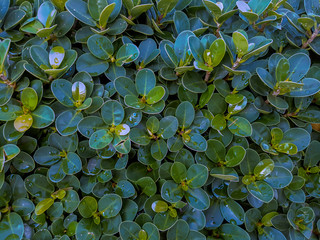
(236, 64)
(312, 37)
(206, 79)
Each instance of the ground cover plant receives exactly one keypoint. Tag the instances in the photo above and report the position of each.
(159, 119)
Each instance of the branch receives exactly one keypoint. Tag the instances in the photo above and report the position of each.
(312, 37)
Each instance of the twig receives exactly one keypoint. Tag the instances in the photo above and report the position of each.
(312, 37)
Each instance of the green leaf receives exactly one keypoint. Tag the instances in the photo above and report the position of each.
(100, 139)
(100, 46)
(23, 122)
(110, 205)
(59, 4)
(89, 63)
(197, 175)
(46, 14)
(66, 122)
(299, 66)
(137, 10)
(217, 52)
(56, 56)
(197, 198)
(38, 186)
(233, 232)
(71, 164)
(282, 70)
(129, 230)
(234, 156)
(80, 11)
(171, 192)
(279, 178)
(29, 98)
(159, 149)
(185, 114)
(165, 6)
(178, 172)
(43, 206)
(112, 113)
(88, 206)
(232, 211)
(155, 94)
(178, 231)
(79, 92)
(225, 173)
(168, 126)
(261, 191)
(62, 90)
(193, 82)
(259, 6)
(86, 229)
(105, 15)
(216, 151)
(263, 168)
(127, 54)
(240, 40)
(196, 142)
(147, 185)
(11, 225)
(145, 81)
(125, 86)
(297, 136)
(240, 126)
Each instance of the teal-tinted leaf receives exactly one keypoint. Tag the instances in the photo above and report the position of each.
(11, 225)
(297, 136)
(71, 164)
(178, 172)
(110, 205)
(100, 139)
(185, 114)
(80, 11)
(145, 81)
(89, 63)
(216, 151)
(62, 90)
(168, 127)
(126, 54)
(279, 178)
(240, 126)
(112, 113)
(193, 82)
(197, 175)
(159, 149)
(86, 229)
(259, 6)
(233, 232)
(40, 56)
(261, 191)
(234, 156)
(100, 46)
(178, 231)
(42, 116)
(171, 192)
(46, 14)
(196, 142)
(88, 206)
(66, 122)
(165, 6)
(299, 66)
(232, 211)
(197, 198)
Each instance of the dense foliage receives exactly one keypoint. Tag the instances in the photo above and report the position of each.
(159, 119)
